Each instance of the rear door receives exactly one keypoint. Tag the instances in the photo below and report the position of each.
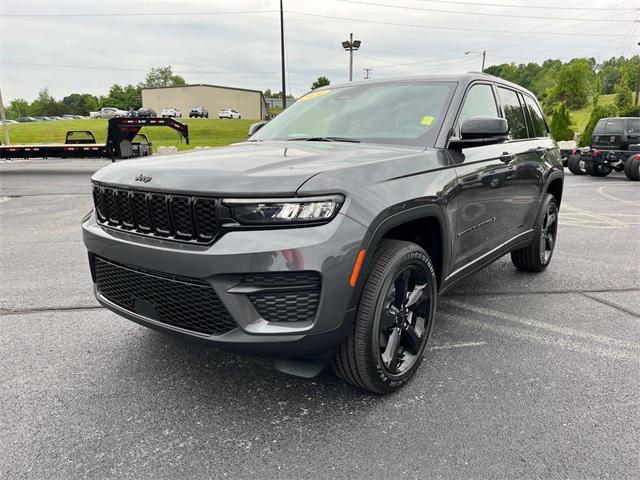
(486, 183)
(527, 157)
(532, 171)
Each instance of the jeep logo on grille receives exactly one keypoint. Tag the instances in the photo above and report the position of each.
(142, 178)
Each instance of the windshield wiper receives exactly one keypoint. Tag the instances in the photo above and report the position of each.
(324, 139)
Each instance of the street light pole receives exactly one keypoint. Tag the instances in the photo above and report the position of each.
(637, 87)
(284, 83)
(4, 121)
(351, 45)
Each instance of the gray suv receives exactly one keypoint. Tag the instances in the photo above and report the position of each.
(328, 235)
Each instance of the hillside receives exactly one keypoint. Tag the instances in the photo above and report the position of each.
(581, 117)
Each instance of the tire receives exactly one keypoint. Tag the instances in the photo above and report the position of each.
(574, 165)
(632, 168)
(536, 256)
(596, 170)
(387, 343)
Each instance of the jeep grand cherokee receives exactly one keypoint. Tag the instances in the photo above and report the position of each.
(328, 235)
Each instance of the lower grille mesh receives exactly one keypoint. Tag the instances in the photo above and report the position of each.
(186, 303)
(296, 302)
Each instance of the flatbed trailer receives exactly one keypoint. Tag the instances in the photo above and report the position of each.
(120, 135)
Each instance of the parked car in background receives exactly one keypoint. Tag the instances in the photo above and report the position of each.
(68, 116)
(42, 118)
(108, 112)
(229, 113)
(146, 112)
(171, 112)
(57, 118)
(198, 112)
(25, 119)
(9, 122)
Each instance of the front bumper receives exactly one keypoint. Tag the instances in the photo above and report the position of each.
(327, 251)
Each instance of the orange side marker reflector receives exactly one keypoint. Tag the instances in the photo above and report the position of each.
(356, 268)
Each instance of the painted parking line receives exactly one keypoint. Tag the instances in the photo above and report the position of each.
(547, 340)
(550, 327)
(573, 216)
(616, 199)
(456, 345)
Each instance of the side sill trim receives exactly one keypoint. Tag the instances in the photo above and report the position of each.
(488, 254)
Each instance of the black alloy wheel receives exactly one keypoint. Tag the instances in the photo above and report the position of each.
(402, 326)
(536, 256)
(548, 233)
(394, 319)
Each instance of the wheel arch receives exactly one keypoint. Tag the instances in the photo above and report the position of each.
(425, 225)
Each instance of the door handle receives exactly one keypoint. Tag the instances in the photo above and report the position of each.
(507, 157)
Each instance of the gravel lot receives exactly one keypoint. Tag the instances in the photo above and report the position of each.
(527, 376)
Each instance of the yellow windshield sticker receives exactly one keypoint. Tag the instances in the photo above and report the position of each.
(427, 120)
(312, 95)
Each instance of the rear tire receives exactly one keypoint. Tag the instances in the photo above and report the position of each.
(394, 320)
(574, 165)
(632, 168)
(536, 256)
(597, 170)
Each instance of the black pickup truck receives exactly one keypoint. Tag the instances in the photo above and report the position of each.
(615, 145)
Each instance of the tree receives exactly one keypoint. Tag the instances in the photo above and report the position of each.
(18, 108)
(162, 77)
(561, 123)
(624, 97)
(320, 82)
(573, 83)
(45, 104)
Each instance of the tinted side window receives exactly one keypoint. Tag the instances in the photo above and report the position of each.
(537, 119)
(634, 125)
(513, 113)
(479, 103)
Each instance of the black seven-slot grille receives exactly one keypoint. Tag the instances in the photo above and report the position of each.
(184, 218)
(183, 302)
(285, 297)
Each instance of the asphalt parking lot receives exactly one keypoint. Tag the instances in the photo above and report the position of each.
(527, 376)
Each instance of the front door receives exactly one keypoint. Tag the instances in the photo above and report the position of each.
(486, 185)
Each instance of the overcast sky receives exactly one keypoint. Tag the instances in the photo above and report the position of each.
(87, 45)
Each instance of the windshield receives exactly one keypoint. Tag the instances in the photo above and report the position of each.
(392, 113)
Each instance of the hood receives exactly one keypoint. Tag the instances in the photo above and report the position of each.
(251, 168)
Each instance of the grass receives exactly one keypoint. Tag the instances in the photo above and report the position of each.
(203, 132)
(581, 117)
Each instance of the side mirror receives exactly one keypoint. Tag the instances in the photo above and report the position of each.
(476, 131)
(255, 127)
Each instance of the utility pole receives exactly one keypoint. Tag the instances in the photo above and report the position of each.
(484, 56)
(351, 45)
(4, 123)
(637, 86)
(367, 73)
(284, 82)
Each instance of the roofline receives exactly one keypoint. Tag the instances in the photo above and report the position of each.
(204, 85)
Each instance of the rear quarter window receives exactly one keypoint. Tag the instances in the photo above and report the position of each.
(514, 113)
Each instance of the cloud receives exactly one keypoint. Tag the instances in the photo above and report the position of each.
(243, 49)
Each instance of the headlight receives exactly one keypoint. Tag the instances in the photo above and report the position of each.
(276, 211)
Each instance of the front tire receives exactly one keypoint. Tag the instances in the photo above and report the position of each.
(394, 320)
(537, 255)
(576, 165)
